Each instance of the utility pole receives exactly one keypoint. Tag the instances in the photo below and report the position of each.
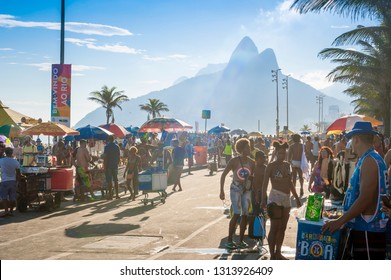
(285, 86)
(62, 31)
(275, 79)
(319, 100)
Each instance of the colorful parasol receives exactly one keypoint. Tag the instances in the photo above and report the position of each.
(92, 132)
(50, 129)
(7, 142)
(346, 123)
(163, 123)
(10, 130)
(118, 130)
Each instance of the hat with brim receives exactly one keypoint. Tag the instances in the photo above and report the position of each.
(362, 128)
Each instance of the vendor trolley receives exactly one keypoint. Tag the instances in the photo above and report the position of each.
(42, 186)
(153, 181)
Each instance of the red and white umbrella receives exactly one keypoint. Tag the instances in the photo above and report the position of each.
(167, 124)
(346, 123)
(118, 130)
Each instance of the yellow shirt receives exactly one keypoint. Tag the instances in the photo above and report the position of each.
(29, 155)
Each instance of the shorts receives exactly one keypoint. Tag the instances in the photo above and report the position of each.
(8, 190)
(240, 200)
(280, 198)
(111, 175)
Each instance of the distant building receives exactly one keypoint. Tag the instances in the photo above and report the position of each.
(334, 112)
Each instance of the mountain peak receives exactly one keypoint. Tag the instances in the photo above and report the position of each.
(244, 52)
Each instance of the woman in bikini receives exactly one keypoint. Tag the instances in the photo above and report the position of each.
(132, 168)
(242, 168)
(279, 173)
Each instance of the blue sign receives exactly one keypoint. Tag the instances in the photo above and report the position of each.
(312, 244)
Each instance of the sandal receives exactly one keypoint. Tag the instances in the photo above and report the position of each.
(231, 245)
(242, 245)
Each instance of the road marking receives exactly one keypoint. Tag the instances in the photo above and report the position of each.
(191, 236)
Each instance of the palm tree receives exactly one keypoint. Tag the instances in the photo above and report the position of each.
(109, 98)
(154, 107)
(305, 127)
(367, 72)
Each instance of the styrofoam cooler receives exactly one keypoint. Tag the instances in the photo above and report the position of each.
(145, 180)
(159, 181)
(311, 244)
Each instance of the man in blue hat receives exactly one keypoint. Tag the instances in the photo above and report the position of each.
(362, 213)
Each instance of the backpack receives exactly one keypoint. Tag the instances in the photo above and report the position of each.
(256, 229)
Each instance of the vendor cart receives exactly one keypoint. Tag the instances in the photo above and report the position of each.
(153, 180)
(41, 186)
(97, 183)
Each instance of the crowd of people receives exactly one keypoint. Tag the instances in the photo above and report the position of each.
(353, 167)
(349, 167)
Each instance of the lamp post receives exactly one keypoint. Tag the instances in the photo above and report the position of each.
(319, 100)
(285, 86)
(275, 79)
(62, 32)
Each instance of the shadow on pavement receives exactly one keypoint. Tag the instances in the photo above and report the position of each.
(85, 230)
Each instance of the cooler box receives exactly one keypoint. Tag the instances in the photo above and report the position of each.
(145, 180)
(311, 244)
(159, 181)
(61, 179)
(200, 154)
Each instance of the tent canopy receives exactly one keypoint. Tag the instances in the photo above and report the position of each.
(9, 116)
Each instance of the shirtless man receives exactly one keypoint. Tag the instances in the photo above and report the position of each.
(295, 153)
(339, 146)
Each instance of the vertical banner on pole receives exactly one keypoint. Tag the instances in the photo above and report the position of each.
(61, 94)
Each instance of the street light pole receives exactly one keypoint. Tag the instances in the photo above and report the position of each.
(285, 86)
(319, 100)
(62, 31)
(275, 79)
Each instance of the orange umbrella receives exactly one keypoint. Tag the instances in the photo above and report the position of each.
(50, 129)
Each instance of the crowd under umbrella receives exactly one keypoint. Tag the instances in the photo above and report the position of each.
(218, 129)
(160, 124)
(346, 123)
(118, 130)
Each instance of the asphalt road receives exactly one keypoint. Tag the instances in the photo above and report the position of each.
(190, 225)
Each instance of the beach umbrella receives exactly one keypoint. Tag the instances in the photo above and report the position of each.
(218, 129)
(7, 142)
(92, 132)
(10, 130)
(346, 123)
(305, 132)
(238, 131)
(50, 129)
(163, 123)
(132, 129)
(255, 134)
(118, 130)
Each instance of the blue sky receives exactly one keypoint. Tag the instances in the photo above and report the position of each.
(140, 46)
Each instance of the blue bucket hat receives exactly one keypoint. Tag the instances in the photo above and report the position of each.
(362, 128)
